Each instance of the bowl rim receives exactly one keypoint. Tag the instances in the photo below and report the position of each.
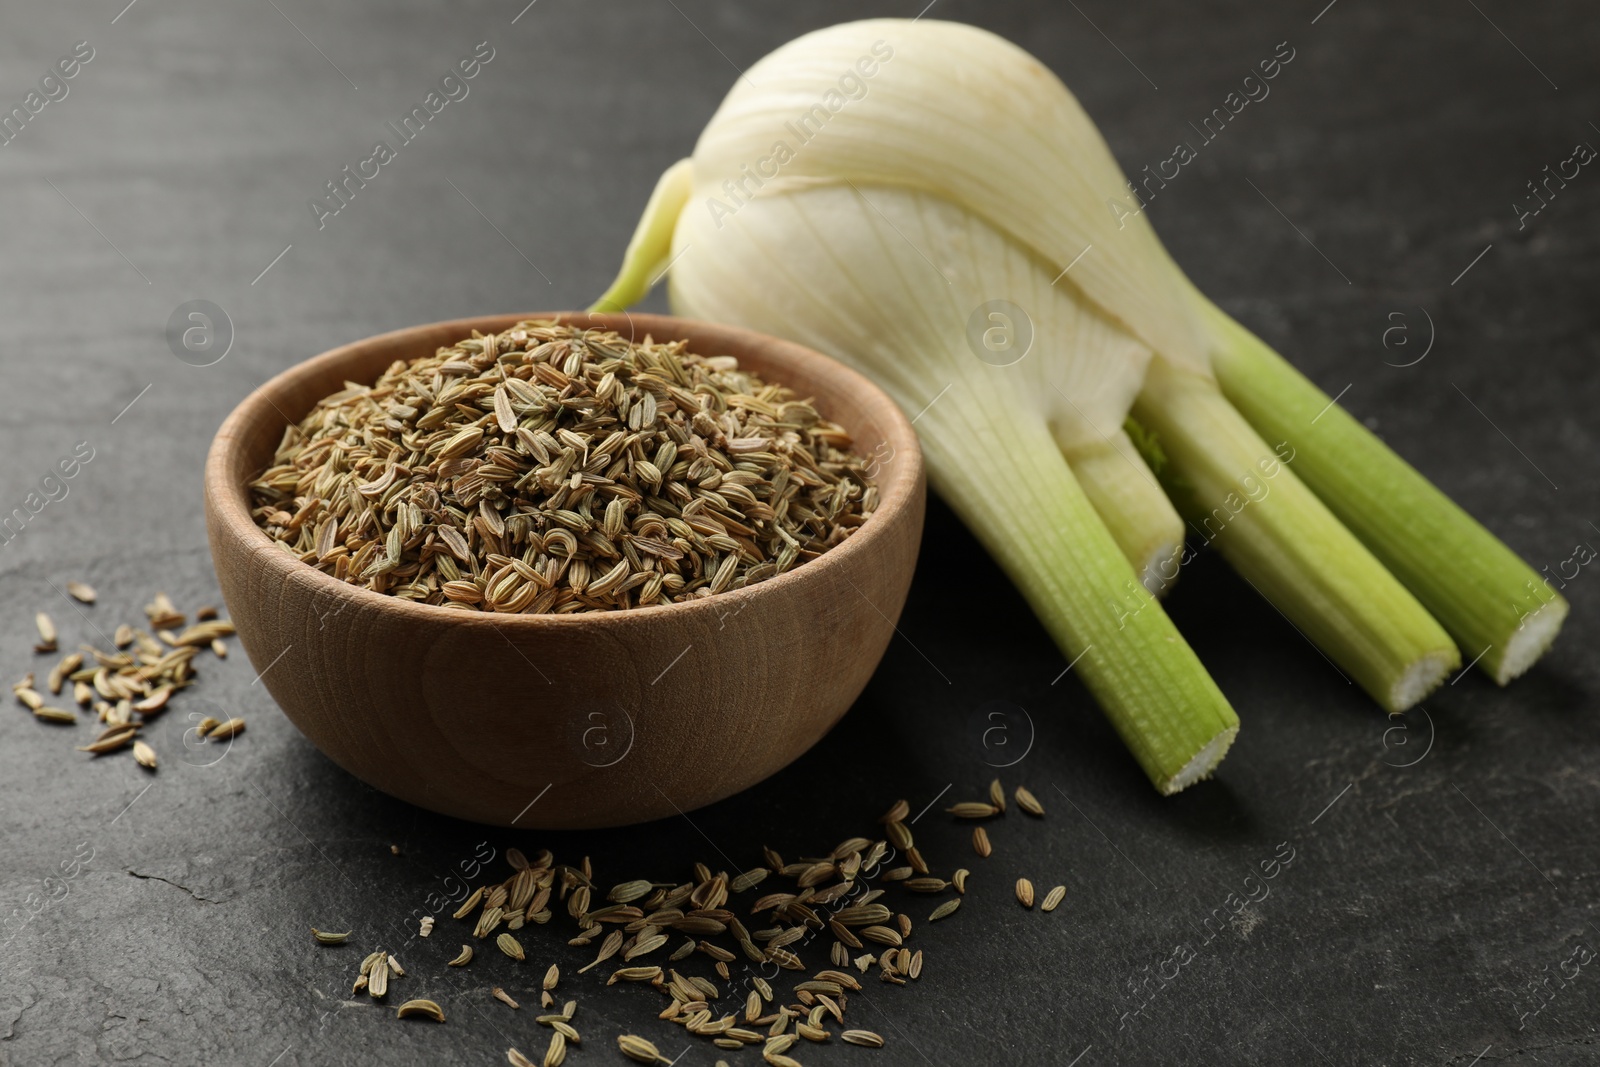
(230, 502)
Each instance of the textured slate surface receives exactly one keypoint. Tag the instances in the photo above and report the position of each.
(1422, 902)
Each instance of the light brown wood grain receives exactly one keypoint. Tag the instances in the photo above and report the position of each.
(625, 716)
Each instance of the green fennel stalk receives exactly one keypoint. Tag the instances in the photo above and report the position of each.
(1501, 610)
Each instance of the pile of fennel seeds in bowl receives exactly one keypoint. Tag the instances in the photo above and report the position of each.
(548, 469)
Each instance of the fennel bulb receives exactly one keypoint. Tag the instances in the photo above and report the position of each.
(877, 189)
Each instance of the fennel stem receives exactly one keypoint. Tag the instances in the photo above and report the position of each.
(651, 244)
(1242, 495)
(1131, 503)
(1498, 607)
(1004, 476)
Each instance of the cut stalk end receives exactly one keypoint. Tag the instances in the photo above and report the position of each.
(1200, 767)
(1161, 565)
(1418, 680)
(1530, 641)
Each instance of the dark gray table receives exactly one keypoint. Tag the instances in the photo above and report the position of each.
(1373, 189)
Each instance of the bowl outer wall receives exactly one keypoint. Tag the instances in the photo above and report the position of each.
(584, 720)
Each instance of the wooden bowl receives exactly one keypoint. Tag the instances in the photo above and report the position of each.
(581, 720)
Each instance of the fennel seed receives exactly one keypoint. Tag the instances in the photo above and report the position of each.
(645, 947)
(1029, 803)
(154, 702)
(637, 1049)
(628, 892)
(224, 731)
(64, 670)
(608, 948)
(749, 879)
(162, 614)
(469, 904)
(47, 633)
(865, 1038)
(972, 810)
(980, 842)
(427, 1009)
(548, 469)
(111, 740)
(634, 974)
(842, 892)
(862, 915)
(378, 977)
(883, 935)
